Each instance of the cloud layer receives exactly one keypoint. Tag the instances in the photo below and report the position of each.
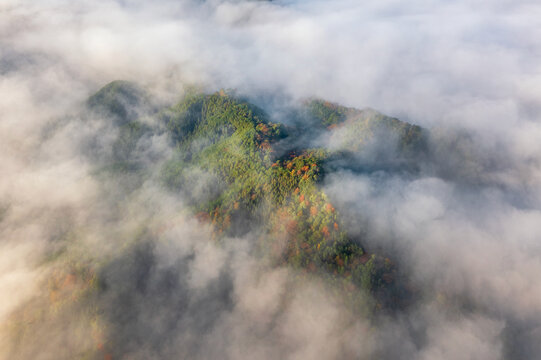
(465, 229)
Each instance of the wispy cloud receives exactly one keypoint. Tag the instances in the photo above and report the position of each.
(465, 229)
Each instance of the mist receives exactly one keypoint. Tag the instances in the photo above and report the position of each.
(463, 228)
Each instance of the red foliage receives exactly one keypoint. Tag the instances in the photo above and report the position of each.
(202, 216)
(364, 258)
(335, 226)
(69, 280)
(313, 211)
(301, 198)
(291, 227)
(388, 278)
(325, 231)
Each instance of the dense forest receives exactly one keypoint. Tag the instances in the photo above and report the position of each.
(239, 173)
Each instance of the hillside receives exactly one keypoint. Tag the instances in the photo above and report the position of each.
(242, 175)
